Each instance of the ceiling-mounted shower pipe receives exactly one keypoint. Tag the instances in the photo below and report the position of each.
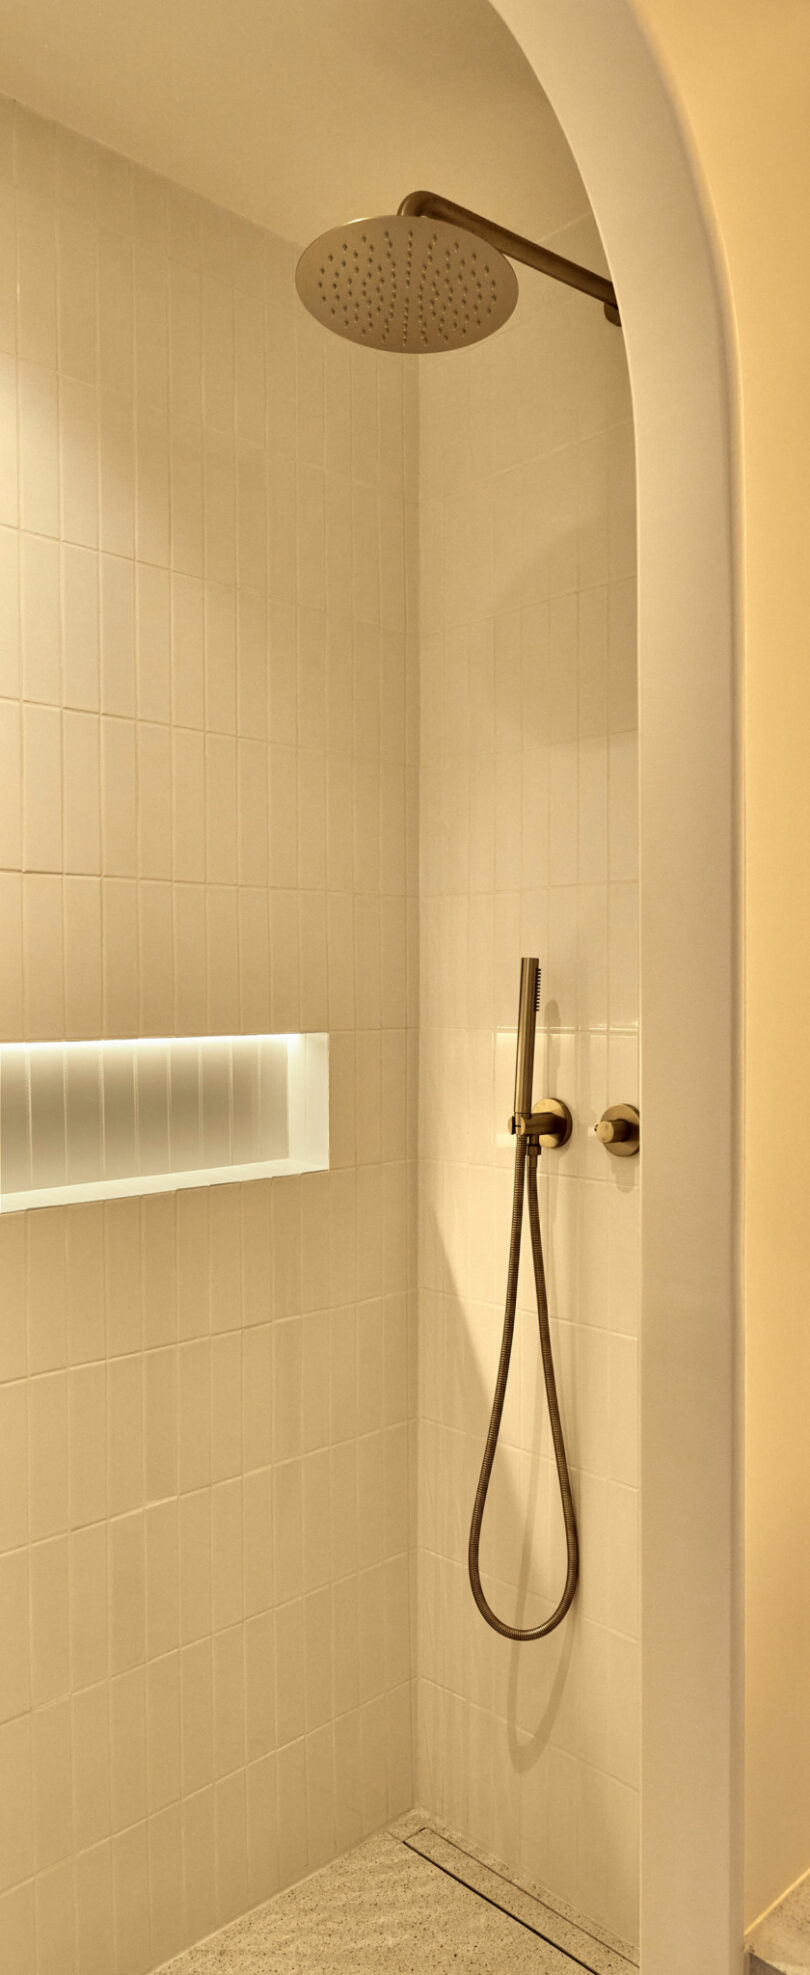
(431, 205)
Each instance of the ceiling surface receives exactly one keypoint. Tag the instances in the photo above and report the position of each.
(301, 113)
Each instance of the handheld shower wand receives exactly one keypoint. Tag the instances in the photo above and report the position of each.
(550, 1125)
(528, 1011)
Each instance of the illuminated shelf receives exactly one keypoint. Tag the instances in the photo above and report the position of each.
(99, 1120)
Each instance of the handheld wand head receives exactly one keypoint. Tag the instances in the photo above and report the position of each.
(528, 1006)
(548, 1123)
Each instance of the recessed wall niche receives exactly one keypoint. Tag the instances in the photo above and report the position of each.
(96, 1120)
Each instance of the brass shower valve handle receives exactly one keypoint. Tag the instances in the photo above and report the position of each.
(619, 1130)
(549, 1124)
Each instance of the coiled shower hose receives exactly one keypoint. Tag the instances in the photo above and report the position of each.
(526, 1153)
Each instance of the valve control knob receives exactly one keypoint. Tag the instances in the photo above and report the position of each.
(619, 1130)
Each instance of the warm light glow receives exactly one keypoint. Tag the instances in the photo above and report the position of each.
(99, 1120)
(142, 1042)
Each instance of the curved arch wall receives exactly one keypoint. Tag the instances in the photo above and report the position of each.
(617, 113)
(739, 78)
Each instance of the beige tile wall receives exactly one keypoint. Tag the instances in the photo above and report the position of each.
(208, 753)
(207, 824)
(528, 806)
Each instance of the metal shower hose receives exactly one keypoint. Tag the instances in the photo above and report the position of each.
(526, 1148)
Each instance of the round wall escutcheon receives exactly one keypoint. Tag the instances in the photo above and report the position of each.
(619, 1130)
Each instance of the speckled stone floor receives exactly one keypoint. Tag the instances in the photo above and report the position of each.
(397, 1904)
(781, 1944)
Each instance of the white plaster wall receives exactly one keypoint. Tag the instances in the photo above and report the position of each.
(621, 114)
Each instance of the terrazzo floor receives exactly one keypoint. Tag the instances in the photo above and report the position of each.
(781, 1944)
(408, 1901)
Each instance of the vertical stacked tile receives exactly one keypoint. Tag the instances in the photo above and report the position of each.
(207, 825)
(528, 807)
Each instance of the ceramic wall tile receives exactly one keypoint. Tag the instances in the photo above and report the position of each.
(528, 796)
(150, 1650)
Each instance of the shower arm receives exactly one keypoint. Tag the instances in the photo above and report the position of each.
(431, 205)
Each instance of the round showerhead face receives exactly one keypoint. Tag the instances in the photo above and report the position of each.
(407, 285)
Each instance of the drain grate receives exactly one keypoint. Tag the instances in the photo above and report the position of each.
(579, 1948)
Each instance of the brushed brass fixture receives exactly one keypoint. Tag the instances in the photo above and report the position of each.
(548, 1124)
(528, 1010)
(432, 276)
(529, 252)
(619, 1130)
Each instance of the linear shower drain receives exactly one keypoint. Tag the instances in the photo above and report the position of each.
(576, 1946)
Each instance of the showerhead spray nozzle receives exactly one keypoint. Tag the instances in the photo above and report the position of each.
(406, 283)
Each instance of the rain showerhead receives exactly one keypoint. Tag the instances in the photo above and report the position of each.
(406, 284)
(432, 276)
